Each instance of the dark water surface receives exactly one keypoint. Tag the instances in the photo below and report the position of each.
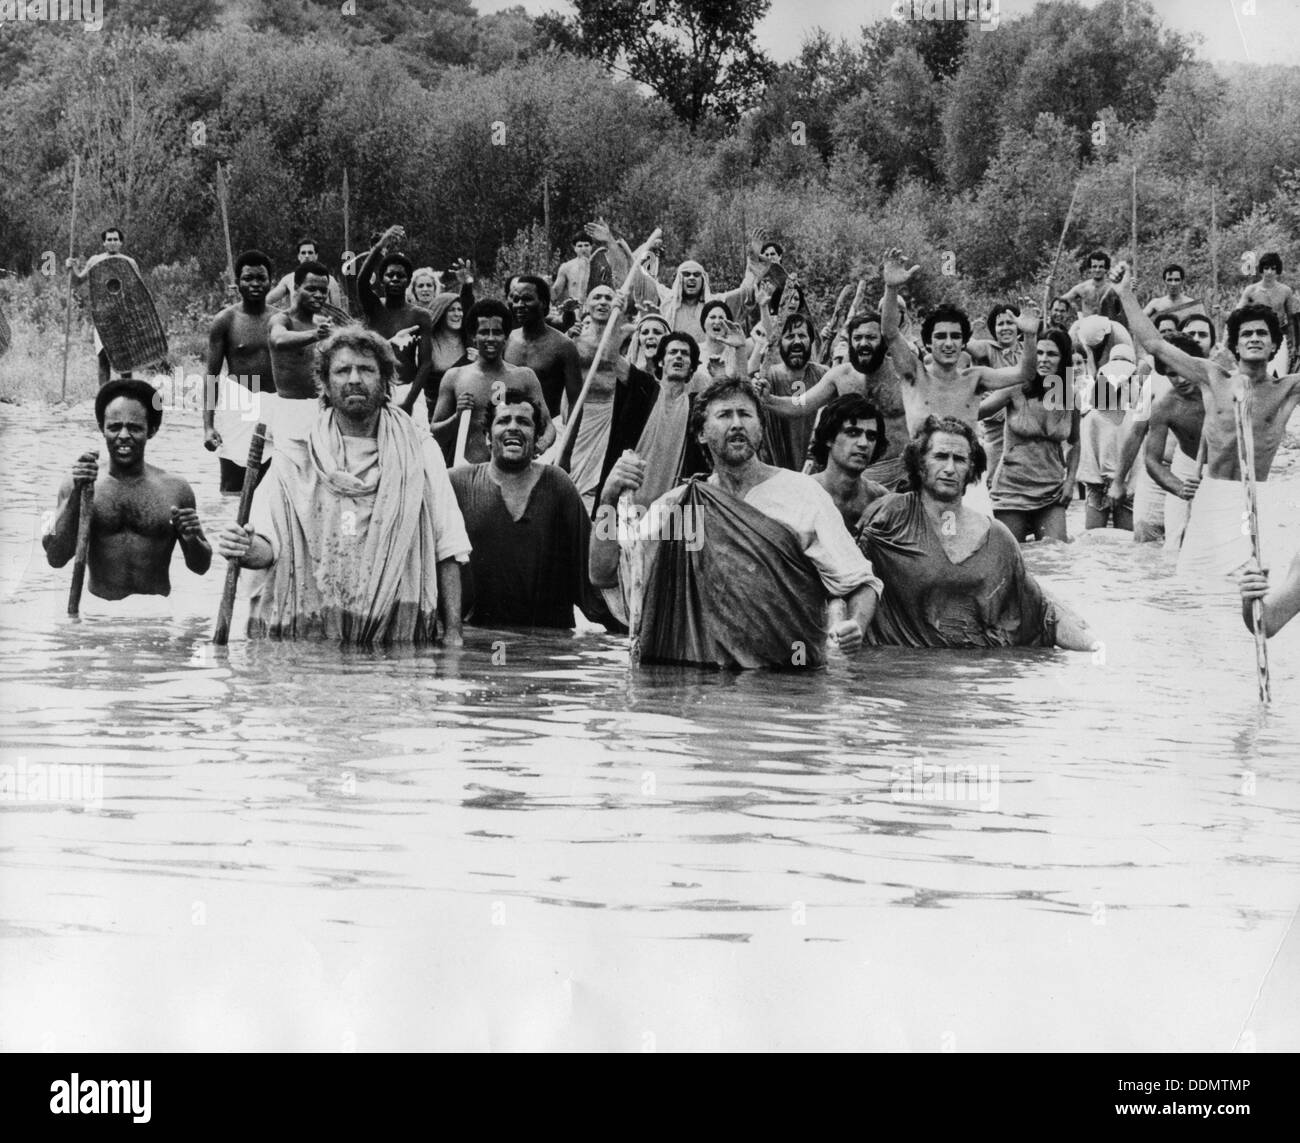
(528, 845)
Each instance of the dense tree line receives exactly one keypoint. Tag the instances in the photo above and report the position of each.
(484, 134)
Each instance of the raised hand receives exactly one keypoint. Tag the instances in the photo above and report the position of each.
(1031, 316)
(1122, 278)
(894, 269)
(599, 231)
(732, 334)
(463, 268)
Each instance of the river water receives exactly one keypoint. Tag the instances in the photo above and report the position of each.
(529, 845)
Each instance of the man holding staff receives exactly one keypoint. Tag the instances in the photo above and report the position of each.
(356, 527)
(140, 513)
(1216, 543)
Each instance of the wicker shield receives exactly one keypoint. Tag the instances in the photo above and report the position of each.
(124, 315)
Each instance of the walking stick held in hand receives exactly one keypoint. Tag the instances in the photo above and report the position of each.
(72, 249)
(84, 512)
(1246, 459)
(222, 633)
(637, 255)
(631, 558)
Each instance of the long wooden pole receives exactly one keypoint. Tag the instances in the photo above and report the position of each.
(1246, 459)
(347, 229)
(637, 254)
(1214, 253)
(72, 249)
(1134, 242)
(221, 635)
(84, 512)
(1060, 246)
(462, 438)
(222, 195)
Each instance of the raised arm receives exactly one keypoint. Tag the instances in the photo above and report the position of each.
(895, 273)
(1026, 368)
(1184, 364)
(366, 293)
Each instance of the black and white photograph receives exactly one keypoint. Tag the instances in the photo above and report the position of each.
(650, 526)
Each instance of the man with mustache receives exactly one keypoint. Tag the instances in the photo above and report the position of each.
(238, 346)
(356, 527)
(139, 512)
(528, 527)
(869, 373)
(954, 577)
(789, 373)
(776, 530)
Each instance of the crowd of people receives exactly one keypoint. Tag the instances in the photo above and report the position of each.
(710, 468)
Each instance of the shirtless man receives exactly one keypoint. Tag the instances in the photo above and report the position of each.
(942, 389)
(294, 336)
(869, 372)
(1181, 411)
(480, 385)
(573, 278)
(1271, 291)
(140, 512)
(112, 240)
(238, 346)
(540, 347)
(848, 439)
(283, 289)
(1173, 303)
(1214, 543)
(1088, 295)
(408, 328)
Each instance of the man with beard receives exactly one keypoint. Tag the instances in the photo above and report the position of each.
(528, 527)
(869, 373)
(787, 374)
(1214, 543)
(479, 385)
(294, 336)
(778, 529)
(953, 577)
(408, 328)
(540, 347)
(238, 346)
(682, 303)
(849, 438)
(356, 527)
(139, 512)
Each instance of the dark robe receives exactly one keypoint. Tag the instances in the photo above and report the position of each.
(528, 572)
(988, 600)
(634, 400)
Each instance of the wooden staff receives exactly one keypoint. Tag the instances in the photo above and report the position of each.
(637, 255)
(462, 436)
(1246, 459)
(222, 633)
(631, 559)
(347, 241)
(1214, 253)
(222, 195)
(67, 318)
(1060, 246)
(1133, 263)
(84, 511)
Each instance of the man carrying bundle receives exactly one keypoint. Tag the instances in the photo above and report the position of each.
(140, 513)
(748, 585)
(356, 527)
